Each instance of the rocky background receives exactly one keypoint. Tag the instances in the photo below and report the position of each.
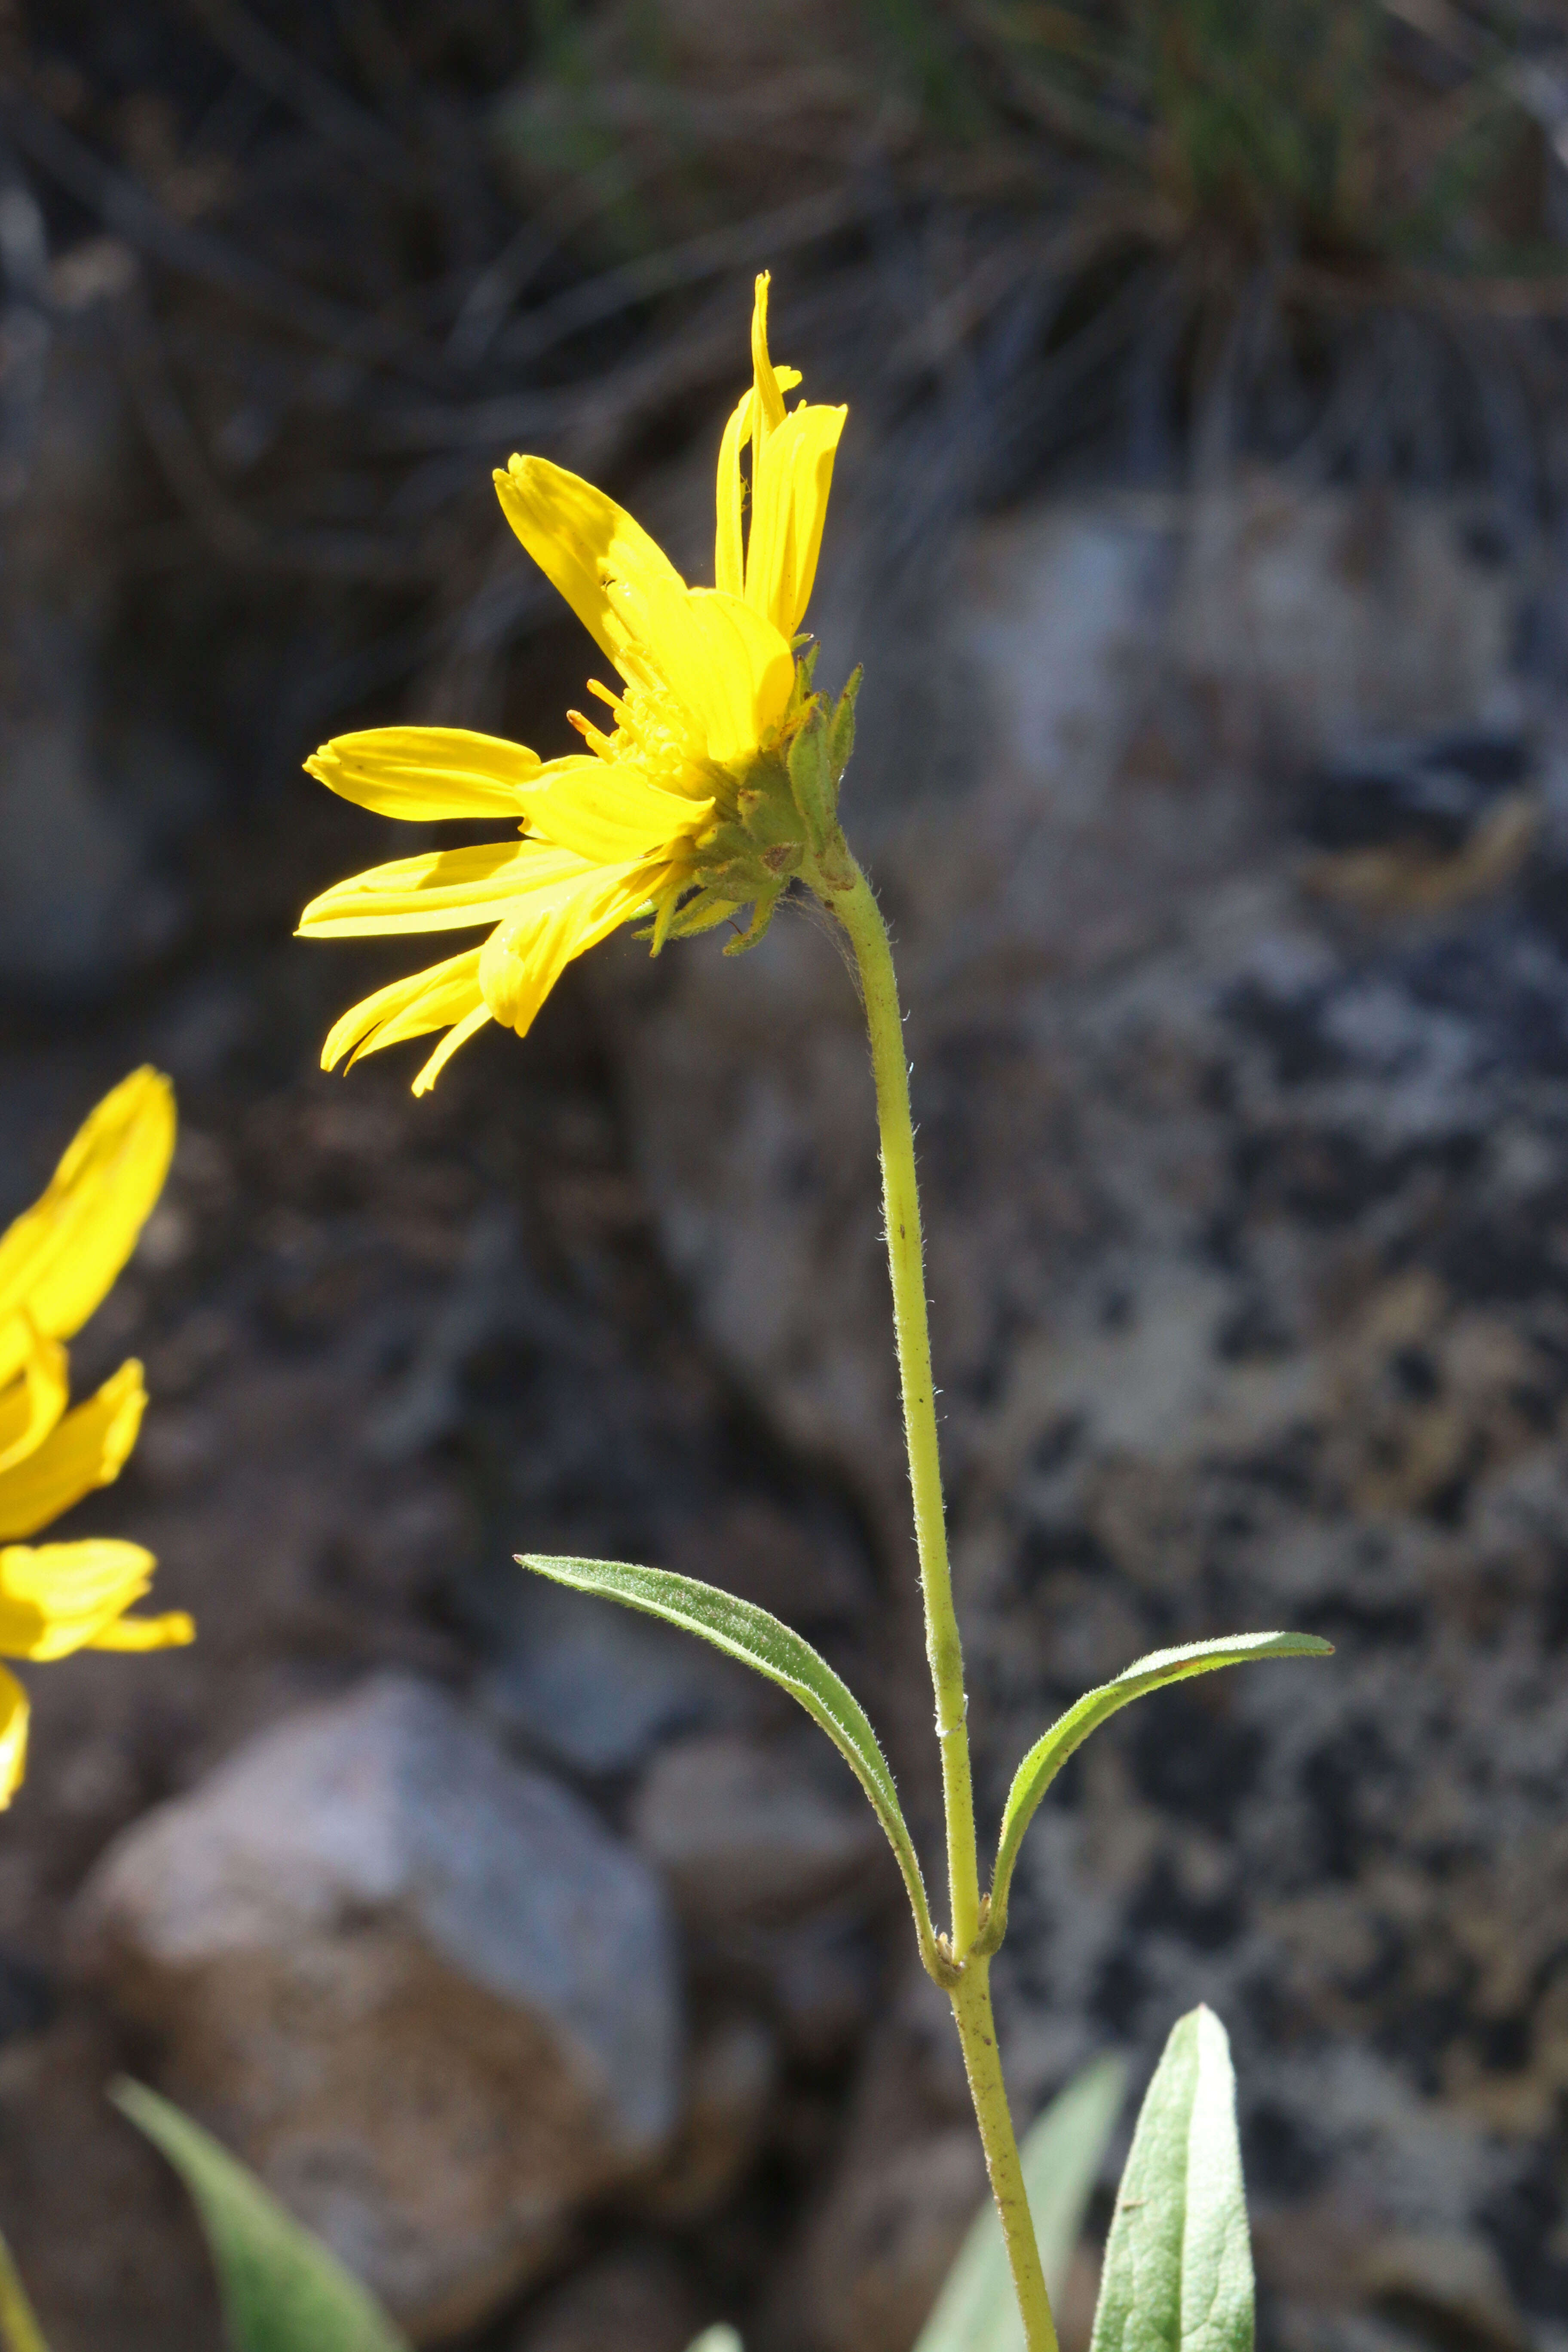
(1201, 536)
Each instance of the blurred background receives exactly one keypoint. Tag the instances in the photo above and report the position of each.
(1199, 521)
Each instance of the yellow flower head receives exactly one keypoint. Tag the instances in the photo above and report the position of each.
(57, 1263)
(682, 810)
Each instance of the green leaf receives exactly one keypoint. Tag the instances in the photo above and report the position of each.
(743, 1630)
(283, 2291)
(19, 2329)
(1178, 2262)
(1046, 1759)
(977, 2310)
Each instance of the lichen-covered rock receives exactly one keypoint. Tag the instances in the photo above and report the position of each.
(421, 1991)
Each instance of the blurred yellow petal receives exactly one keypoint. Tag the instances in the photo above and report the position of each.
(426, 773)
(447, 890)
(609, 814)
(31, 1406)
(60, 1258)
(58, 1598)
(87, 1449)
(521, 961)
(13, 1713)
(172, 1631)
(789, 506)
(579, 538)
(426, 1000)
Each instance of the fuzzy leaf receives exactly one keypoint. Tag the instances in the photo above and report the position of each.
(282, 2290)
(1046, 1759)
(1178, 2262)
(977, 2310)
(744, 1632)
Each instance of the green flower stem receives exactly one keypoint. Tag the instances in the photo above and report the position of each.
(978, 2032)
(969, 1985)
(857, 911)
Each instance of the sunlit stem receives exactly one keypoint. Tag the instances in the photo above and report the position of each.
(968, 1983)
(977, 2030)
(857, 911)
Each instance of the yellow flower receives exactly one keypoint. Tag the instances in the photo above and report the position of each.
(688, 793)
(57, 1263)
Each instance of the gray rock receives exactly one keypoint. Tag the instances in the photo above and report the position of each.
(593, 1686)
(421, 1991)
(748, 1830)
(732, 2077)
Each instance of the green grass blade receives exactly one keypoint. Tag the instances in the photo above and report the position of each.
(19, 2329)
(977, 2310)
(744, 1632)
(283, 2291)
(1178, 2262)
(1046, 1759)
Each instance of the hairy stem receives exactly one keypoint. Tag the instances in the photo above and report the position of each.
(978, 2032)
(859, 912)
(970, 1988)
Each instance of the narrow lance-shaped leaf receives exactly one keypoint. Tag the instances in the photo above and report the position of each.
(1178, 2262)
(282, 2290)
(1046, 1759)
(19, 2329)
(760, 1640)
(977, 2310)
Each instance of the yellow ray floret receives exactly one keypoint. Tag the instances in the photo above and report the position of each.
(60, 1258)
(708, 682)
(57, 1264)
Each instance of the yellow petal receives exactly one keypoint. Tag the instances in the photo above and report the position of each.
(789, 504)
(579, 538)
(426, 773)
(60, 1258)
(729, 547)
(171, 1631)
(724, 663)
(13, 1713)
(729, 558)
(56, 1598)
(447, 890)
(457, 1035)
(609, 812)
(31, 1406)
(523, 958)
(426, 1000)
(769, 413)
(88, 1449)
